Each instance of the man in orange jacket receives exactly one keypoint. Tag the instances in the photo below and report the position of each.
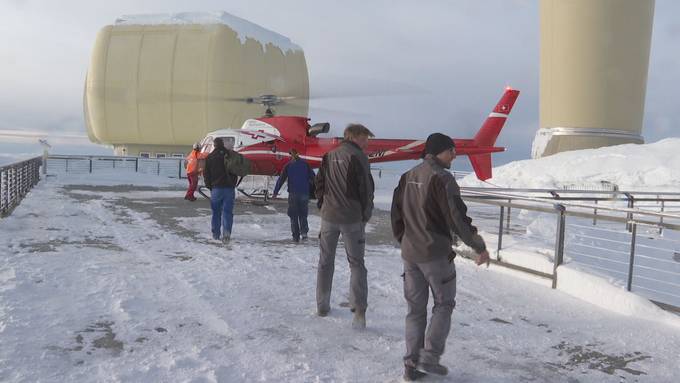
(193, 170)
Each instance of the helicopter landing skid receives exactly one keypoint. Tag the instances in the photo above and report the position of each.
(260, 196)
(256, 197)
(202, 192)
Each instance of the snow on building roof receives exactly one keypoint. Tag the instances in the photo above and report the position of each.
(243, 28)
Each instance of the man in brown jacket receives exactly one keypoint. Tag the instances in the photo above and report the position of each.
(427, 211)
(344, 190)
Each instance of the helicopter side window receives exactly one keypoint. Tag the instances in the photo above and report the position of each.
(318, 128)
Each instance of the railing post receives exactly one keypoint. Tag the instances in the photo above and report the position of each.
(661, 219)
(632, 255)
(507, 226)
(22, 180)
(3, 197)
(500, 234)
(158, 167)
(136, 164)
(559, 242)
(179, 169)
(595, 214)
(66, 164)
(13, 183)
(631, 205)
(90, 164)
(44, 161)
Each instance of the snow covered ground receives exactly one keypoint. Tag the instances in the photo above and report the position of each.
(115, 278)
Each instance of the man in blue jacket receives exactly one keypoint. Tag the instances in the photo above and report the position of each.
(300, 176)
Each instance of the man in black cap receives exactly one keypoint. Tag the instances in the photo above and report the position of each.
(427, 211)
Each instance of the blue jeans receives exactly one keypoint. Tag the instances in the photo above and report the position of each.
(298, 208)
(222, 204)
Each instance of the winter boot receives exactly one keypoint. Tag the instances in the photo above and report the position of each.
(410, 372)
(359, 320)
(226, 237)
(432, 368)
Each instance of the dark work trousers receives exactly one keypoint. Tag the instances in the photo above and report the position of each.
(419, 278)
(193, 184)
(354, 237)
(298, 209)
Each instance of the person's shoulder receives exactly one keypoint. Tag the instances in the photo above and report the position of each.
(445, 177)
(216, 154)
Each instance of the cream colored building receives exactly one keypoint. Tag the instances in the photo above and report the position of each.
(594, 57)
(158, 83)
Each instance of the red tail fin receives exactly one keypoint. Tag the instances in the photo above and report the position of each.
(494, 123)
(486, 137)
(481, 163)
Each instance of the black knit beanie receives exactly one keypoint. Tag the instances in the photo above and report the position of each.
(437, 143)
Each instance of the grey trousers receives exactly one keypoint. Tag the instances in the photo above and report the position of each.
(354, 237)
(419, 278)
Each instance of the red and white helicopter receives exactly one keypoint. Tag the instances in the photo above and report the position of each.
(266, 141)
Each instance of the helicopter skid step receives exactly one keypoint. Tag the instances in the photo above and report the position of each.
(257, 197)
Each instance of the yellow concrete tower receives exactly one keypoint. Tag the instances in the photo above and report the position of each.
(593, 79)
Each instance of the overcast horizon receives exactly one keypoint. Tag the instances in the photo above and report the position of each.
(456, 56)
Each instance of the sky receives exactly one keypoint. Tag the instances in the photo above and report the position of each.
(447, 62)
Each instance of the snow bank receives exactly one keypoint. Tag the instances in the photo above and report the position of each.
(654, 166)
(243, 28)
(610, 294)
(629, 166)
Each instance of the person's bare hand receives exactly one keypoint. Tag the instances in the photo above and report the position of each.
(483, 257)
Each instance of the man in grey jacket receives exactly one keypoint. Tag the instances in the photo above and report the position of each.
(427, 211)
(344, 190)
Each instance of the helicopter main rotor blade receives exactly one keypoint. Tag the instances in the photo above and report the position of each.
(330, 87)
(38, 134)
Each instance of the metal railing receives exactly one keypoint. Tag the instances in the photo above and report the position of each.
(170, 167)
(634, 237)
(16, 180)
